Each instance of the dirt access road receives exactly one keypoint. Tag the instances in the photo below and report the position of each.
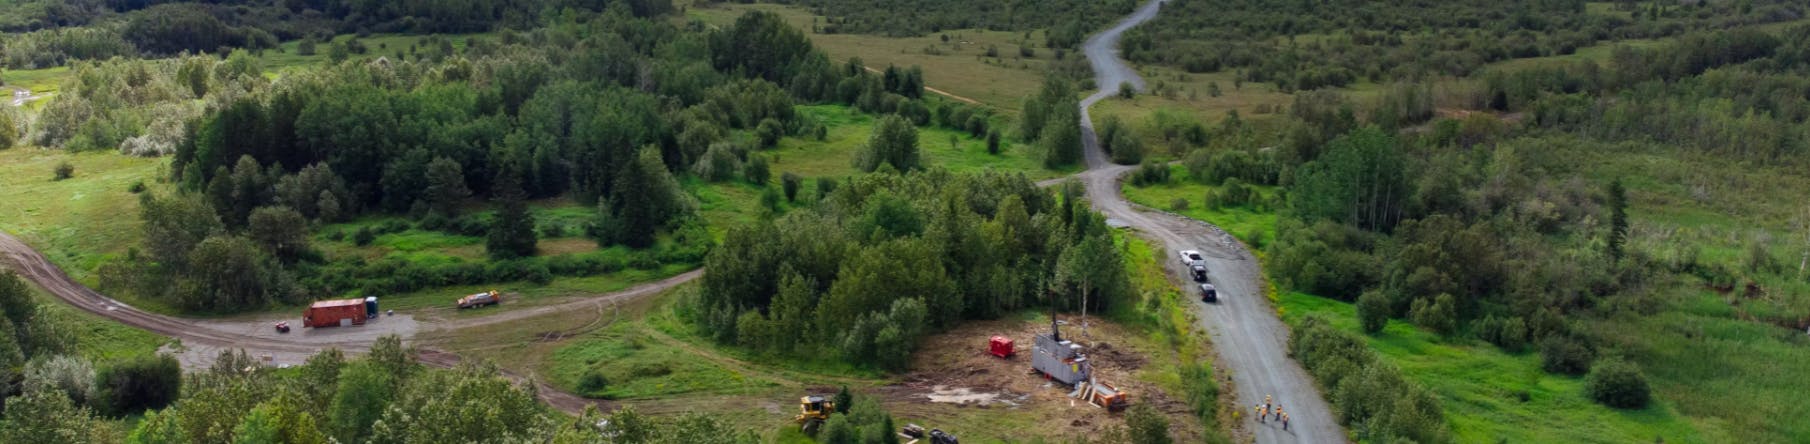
(1250, 340)
(202, 339)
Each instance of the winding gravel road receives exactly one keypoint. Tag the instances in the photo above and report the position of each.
(1250, 340)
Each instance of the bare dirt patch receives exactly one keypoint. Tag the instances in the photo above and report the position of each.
(954, 384)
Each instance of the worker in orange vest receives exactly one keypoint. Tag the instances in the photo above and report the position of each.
(1261, 412)
(1278, 412)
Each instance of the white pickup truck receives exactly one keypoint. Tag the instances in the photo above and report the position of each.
(1197, 264)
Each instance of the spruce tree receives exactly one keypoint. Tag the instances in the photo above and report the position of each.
(445, 186)
(512, 230)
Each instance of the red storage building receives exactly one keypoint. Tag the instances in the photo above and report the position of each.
(335, 313)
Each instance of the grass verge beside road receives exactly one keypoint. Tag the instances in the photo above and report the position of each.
(1253, 224)
(1493, 396)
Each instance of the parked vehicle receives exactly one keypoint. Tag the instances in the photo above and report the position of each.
(1189, 257)
(1208, 293)
(283, 327)
(339, 312)
(481, 300)
(1197, 265)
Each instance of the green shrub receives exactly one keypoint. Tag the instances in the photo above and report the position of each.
(137, 187)
(769, 199)
(756, 170)
(1440, 316)
(1509, 333)
(769, 131)
(1617, 383)
(364, 236)
(138, 383)
(1178, 205)
(63, 171)
(592, 382)
(790, 183)
(1565, 355)
(1150, 173)
(1373, 311)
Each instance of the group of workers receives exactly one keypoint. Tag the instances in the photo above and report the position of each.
(1270, 411)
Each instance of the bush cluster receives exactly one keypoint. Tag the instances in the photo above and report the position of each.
(1371, 397)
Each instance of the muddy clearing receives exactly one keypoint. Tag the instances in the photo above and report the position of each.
(956, 385)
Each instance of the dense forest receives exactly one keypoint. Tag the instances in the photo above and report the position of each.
(609, 111)
(886, 258)
(51, 33)
(1306, 46)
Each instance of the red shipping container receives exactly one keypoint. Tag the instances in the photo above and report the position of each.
(334, 313)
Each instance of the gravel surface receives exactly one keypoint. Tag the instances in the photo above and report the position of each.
(1250, 340)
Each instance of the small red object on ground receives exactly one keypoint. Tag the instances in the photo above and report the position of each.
(282, 327)
(1000, 346)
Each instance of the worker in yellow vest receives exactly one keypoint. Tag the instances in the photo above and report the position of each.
(1261, 413)
(1284, 421)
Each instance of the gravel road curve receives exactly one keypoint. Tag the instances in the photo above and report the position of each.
(1250, 340)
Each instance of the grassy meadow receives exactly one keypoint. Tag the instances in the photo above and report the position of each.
(1255, 225)
(959, 66)
(1493, 396)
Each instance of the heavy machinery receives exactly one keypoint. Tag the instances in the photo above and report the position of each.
(812, 412)
(1062, 361)
(481, 299)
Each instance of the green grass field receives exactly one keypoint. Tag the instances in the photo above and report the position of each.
(849, 130)
(99, 340)
(958, 66)
(1255, 226)
(78, 222)
(635, 366)
(1492, 396)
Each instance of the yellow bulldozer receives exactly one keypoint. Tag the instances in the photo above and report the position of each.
(812, 412)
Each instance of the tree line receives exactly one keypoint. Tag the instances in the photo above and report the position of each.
(1066, 22)
(385, 397)
(1306, 46)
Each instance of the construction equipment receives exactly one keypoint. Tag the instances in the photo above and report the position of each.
(481, 299)
(812, 412)
(1002, 347)
(935, 436)
(1062, 361)
(339, 313)
(1059, 360)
